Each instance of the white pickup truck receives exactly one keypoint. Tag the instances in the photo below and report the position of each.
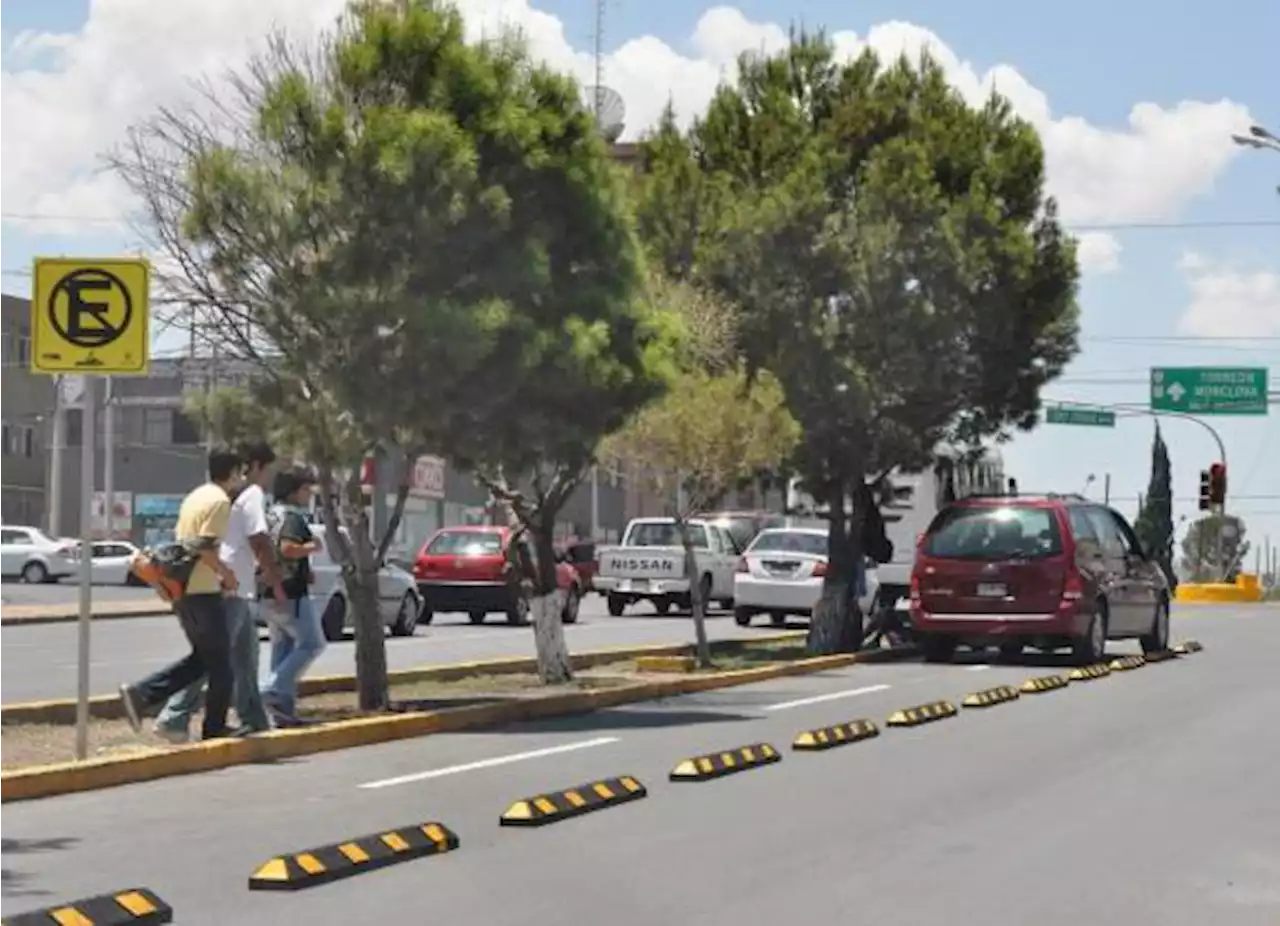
(649, 565)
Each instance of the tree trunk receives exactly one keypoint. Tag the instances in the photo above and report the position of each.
(696, 602)
(545, 607)
(836, 625)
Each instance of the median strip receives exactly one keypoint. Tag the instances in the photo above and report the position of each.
(728, 762)
(345, 859)
(573, 802)
(134, 907)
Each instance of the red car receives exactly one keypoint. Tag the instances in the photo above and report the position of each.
(465, 569)
(1047, 571)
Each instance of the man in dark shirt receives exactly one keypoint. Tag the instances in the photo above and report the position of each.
(297, 637)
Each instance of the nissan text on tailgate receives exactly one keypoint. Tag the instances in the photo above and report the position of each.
(650, 565)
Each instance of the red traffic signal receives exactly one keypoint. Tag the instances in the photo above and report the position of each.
(1217, 483)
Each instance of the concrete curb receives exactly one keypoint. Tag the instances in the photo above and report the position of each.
(64, 778)
(109, 707)
(70, 617)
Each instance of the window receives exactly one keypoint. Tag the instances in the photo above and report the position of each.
(28, 442)
(157, 426)
(1081, 525)
(75, 427)
(185, 431)
(1109, 535)
(994, 533)
(665, 534)
(809, 542)
(4, 440)
(465, 543)
(23, 344)
(15, 538)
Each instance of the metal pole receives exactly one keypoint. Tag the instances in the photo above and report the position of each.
(1106, 489)
(57, 444)
(109, 455)
(595, 503)
(88, 440)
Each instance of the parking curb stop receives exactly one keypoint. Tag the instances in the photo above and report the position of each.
(921, 713)
(1163, 655)
(1125, 663)
(990, 697)
(728, 762)
(1044, 683)
(135, 907)
(1090, 673)
(1188, 646)
(342, 860)
(573, 802)
(840, 735)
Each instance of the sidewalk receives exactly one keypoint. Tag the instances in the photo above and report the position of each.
(31, 614)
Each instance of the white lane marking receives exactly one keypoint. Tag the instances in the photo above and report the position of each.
(977, 668)
(819, 699)
(490, 763)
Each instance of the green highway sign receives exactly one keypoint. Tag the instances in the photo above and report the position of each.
(1080, 414)
(1209, 390)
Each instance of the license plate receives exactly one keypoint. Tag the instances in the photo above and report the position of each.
(639, 585)
(992, 590)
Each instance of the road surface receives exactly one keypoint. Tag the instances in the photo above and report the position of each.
(1144, 798)
(39, 662)
(67, 593)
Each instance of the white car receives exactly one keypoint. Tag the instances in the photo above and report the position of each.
(781, 574)
(111, 559)
(649, 565)
(29, 553)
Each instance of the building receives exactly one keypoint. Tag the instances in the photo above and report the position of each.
(27, 400)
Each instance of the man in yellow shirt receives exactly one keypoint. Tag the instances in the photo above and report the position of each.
(202, 523)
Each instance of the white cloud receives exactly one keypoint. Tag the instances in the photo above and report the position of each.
(1229, 299)
(1099, 252)
(132, 55)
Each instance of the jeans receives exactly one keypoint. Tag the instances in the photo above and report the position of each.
(243, 630)
(296, 640)
(204, 621)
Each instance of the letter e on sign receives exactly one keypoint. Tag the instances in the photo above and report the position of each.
(91, 316)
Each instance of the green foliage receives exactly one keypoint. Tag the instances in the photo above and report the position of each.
(1154, 525)
(1200, 562)
(895, 260)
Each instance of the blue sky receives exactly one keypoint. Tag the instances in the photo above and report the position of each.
(1168, 295)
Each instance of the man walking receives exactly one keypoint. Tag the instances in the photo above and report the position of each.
(246, 548)
(202, 524)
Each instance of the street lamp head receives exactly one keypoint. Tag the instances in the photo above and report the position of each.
(1258, 131)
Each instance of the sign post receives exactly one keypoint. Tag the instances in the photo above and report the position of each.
(92, 318)
(1209, 390)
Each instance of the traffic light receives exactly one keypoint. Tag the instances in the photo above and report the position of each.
(1206, 485)
(1217, 484)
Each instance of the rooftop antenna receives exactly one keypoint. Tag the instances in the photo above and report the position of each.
(598, 52)
(606, 104)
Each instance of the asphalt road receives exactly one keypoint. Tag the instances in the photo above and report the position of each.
(67, 593)
(39, 662)
(1145, 797)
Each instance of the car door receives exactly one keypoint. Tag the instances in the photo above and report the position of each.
(723, 561)
(1116, 582)
(1143, 574)
(14, 547)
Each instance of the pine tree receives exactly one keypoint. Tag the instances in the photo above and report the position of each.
(1155, 519)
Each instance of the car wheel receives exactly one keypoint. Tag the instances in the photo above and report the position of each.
(476, 617)
(35, 573)
(334, 620)
(518, 611)
(938, 649)
(406, 621)
(662, 606)
(778, 619)
(425, 614)
(1158, 639)
(1090, 648)
(616, 605)
(742, 616)
(572, 602)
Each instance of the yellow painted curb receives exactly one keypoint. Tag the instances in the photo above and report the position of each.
(108, 707)
(1217, 593)
(107, 772)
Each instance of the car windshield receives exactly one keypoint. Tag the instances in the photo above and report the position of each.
(994, 533)
(465, 543)
(664, 534)
(790, 542)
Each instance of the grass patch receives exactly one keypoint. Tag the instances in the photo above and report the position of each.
(757, 655)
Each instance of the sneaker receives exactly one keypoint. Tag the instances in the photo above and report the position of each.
(175, 736)
(132, 707)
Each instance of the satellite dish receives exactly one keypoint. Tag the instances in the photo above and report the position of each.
(609, 110)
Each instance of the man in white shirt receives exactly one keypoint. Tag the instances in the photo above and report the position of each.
(245, 548)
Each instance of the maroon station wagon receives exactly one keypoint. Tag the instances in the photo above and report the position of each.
(1048, 572)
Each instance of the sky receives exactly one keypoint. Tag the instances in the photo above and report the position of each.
(1136, 103)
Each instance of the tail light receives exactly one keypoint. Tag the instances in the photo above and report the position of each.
(915, 589)
(819, 569)
(1073, 587)
(419, 568)
(919, 540)
(742, 564)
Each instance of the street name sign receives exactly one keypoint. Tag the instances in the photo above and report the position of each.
(1209, 390)
(1080, 414)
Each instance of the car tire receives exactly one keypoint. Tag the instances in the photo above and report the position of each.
(742, 616)
(1157, 640)
(616, 603)
(518, 611)
(476, 617)
(35, 573)
(334, 619)
(425, 614)
(1091, 648)
(778, 619)
(662, 606)
(938, 648)
(572, 602)
(406, 621)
